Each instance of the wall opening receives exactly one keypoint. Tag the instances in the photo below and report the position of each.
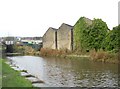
(9, 48)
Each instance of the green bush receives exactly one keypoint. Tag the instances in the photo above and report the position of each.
(112, 40)
(89, 34)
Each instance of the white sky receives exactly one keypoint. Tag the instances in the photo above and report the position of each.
(34, 17)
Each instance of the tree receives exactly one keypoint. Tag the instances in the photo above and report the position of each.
(112, 40)
(98, 32)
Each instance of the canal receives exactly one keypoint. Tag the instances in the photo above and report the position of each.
(57, 72)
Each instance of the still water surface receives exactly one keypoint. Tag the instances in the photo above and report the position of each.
(69, 72)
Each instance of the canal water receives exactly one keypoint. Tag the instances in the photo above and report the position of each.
(81, 72)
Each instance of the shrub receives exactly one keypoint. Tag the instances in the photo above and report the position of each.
(89, 34)
(104, 56)
(53, 52)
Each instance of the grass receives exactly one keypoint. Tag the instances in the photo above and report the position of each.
(101, 56)
(54, 52)
(104, 56)
(12, 78)
(0, 73)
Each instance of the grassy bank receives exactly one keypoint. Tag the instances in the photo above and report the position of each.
(0, 73)
(12, 78)
(101, 56)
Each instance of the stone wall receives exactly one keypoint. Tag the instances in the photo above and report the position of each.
(49, 39)
(64, 37)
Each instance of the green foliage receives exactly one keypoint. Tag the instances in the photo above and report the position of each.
(98, 31)
(89, 34)
(81, 32)
(112, 40)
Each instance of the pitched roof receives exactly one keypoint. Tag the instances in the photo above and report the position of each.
(64, 24)
(50, 28)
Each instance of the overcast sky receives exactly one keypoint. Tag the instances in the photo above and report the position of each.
(34, 17)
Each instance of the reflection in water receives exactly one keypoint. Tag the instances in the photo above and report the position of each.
(69, 72)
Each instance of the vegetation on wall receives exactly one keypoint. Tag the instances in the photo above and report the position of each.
(81, 31)
(97, 40)
(95, 35)
(94, 39)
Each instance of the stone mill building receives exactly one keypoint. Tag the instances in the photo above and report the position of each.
(65, 37)
(61, 38)
(50, 39)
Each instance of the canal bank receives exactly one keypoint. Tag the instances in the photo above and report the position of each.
(97, 56)
(12, 78)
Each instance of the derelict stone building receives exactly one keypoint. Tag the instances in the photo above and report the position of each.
(61, 38)
(65, 37)
(50, 39)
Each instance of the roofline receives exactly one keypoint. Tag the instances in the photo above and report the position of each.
(66, 24)
(48, 29)
(52, 28)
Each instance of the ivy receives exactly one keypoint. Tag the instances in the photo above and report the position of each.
(89, 34)
(112, 40)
